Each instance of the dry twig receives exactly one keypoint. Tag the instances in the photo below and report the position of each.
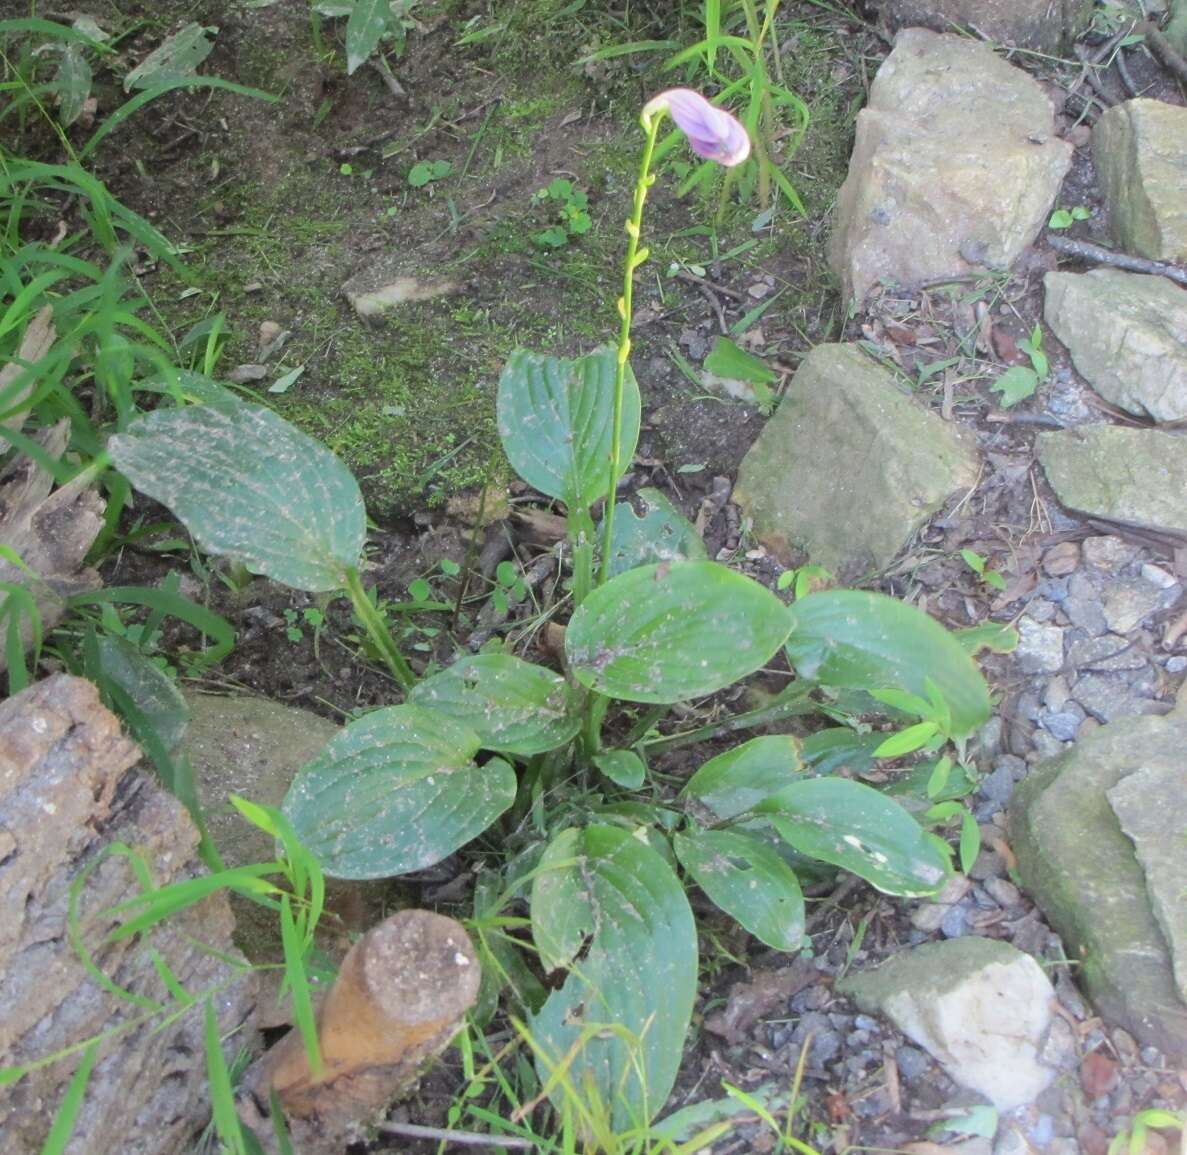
(1099, 255)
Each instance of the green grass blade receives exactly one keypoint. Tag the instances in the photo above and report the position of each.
(67, 1116)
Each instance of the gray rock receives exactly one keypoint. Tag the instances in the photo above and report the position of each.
(1106, 653)
(1140, 150)
(1127, 334)
(955, 922)
(998, 786)
(980, 1007)
(928, 916)
(1176, 665)
(1040, 648)
(251, 747)
(1003, 892)
(1036, 24)
(1151, 804)
(1129, 601)
(912, 1064)
(1108, 697)
(902, 463)
(1109, 552)
(955, 166)
(1062, 724)
(1061, 1049)
(1136, 476)
(1082, 605)
(1159, 577)
(1056, 694)
(1046, 745)
(1076, 862)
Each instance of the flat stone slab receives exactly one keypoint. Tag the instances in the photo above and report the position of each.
(1127, 334)
(1151, 804)
(1140, 151)
(981, 1007)
(1037, 24)
(849, 466)
(1134, 476)
(1079, 866)
(955, 166)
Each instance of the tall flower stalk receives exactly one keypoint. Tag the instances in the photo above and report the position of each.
(714, 135)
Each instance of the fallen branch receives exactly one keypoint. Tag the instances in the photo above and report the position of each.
(1099, 255)
(460, 1138)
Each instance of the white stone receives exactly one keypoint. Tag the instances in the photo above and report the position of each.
(978, 1006)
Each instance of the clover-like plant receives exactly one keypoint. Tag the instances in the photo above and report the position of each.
(555, 765)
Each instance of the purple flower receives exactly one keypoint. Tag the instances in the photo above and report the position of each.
(712, 132)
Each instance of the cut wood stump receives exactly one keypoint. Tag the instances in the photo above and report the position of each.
(70, 796)
(399, 998)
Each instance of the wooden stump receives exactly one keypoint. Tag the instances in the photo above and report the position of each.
(400, 996)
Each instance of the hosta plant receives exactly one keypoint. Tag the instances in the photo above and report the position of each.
(554, 766)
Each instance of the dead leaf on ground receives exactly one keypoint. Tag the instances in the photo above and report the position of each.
(762, 995)
(1098, 1074)
(35, 344)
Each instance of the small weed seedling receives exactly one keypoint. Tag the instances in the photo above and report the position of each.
(427, 172)
(1065, 218)
(571, 205)
(1020, 381)
(980, 566)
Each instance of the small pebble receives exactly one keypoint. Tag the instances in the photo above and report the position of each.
(1063, 724)
(1062, 559)
(1003, 892)
(866, 1023)
(1176, 665)
(912, 1063)
(1159, 577)
(954, 924)
(1056, 693)
(1040, 647)
(997, 786)
(1042, 1131)
(1108, 552)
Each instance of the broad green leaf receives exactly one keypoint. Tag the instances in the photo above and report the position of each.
(749, 881)
(152, 691)
(193, 387)
(623, 767)
(732, 370)
(174, 59)
(556, 422)
(666, 633)
(661, 534)
(73, 84)
(996, 637)
(396, 791)
(251, 487)
(855, 827)
(907, 741)
(368, 21)
(609, 909)
(866, 641)
(741, 778)
(1016, 384)
(838, 748)
(728, 360)
(513, 706)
